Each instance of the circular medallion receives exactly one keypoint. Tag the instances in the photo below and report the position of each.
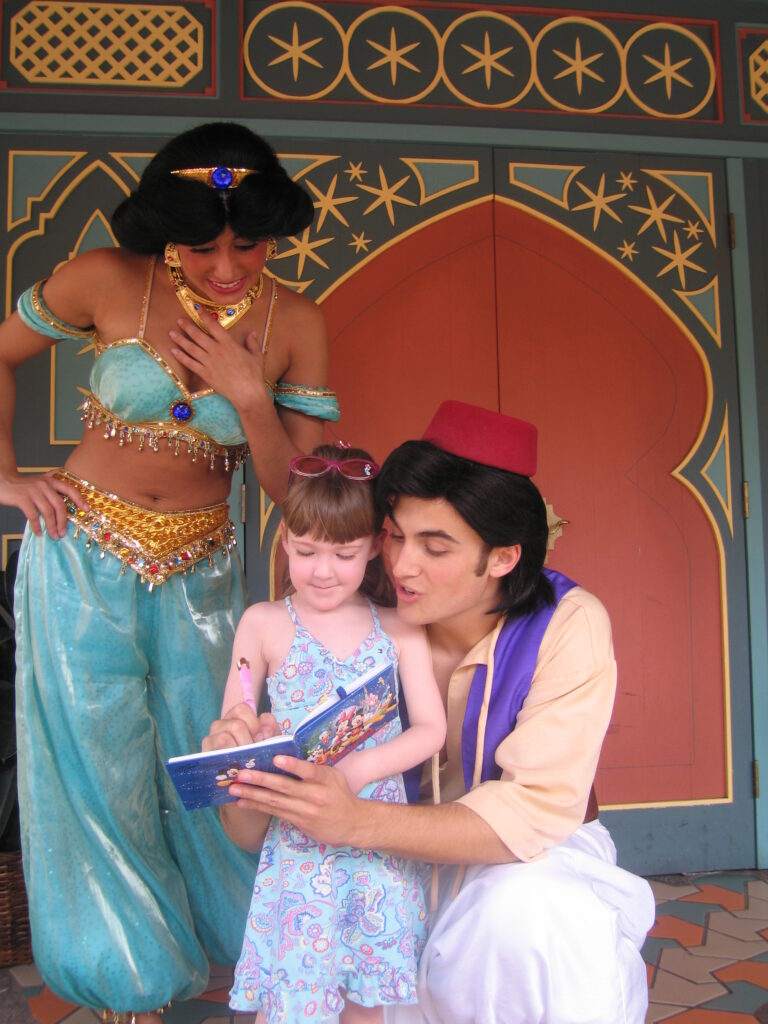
(182, 411)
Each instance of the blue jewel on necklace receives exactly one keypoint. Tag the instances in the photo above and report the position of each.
(182, 411)
(221, 177)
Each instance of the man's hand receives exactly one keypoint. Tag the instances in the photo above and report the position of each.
(318, 801)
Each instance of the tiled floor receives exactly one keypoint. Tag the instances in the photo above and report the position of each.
(707, 958)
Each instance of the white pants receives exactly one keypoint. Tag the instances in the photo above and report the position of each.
(553, 941)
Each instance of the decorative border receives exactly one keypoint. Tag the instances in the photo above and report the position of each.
(504, 58)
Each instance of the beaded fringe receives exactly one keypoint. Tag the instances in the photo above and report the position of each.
(149, 435)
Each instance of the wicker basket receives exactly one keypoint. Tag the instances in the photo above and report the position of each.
(15, 941)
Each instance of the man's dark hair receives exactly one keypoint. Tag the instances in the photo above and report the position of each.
(502, 508)
(168, 208)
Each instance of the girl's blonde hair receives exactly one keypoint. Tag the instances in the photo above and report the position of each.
(338, 510)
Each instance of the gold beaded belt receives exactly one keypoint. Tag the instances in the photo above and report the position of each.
(154, 544)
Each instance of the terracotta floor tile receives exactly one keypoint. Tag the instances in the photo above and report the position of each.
(709, 893)
(674, 990)
(745, 970)
(669, 927)
(49, 1009)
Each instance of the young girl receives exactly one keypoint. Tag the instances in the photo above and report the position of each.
(331, 931)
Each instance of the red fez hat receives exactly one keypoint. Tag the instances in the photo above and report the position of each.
(489, 438)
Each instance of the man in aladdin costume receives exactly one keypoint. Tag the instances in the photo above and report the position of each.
(534, 923)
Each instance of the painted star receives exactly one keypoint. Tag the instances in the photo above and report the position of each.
(387, 195)
(393, 55)
(304, 249)
(678, 260)
(626, 181)
(693, 229)
(360, 242)
(328, 203)
(599, 202)
(295, 51)
(627, 250)
(487, 60)
(668, 71)
(656, 214)
(355, 171)
(579, 66)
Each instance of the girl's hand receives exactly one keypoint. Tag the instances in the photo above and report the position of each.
(41, 497)
(234, 371)
(240, 725)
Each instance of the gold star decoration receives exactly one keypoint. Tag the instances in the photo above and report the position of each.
(599, 202)
(304, 249)
(678, 260)
(628, 250)
(487, 60)
(393, 55)
(626, 181)
(327, 203)
(295, 51)
(693, 229)
(668, 71)
(355, 171)
(360, 242)
(579, 66)
(656, 213)
(387, 195)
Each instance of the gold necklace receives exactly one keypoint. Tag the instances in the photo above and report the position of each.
(193, 304)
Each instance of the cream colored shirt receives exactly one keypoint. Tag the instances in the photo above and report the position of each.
(548, 762)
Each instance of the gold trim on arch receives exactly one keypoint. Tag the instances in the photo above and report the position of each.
(48, 215)
(75, 156)
(722, 443)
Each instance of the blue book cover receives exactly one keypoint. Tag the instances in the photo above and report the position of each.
(334, 728)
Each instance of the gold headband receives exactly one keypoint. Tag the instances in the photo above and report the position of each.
(216, 177)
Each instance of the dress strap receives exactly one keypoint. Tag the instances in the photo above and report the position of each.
(147, 292)
(375, 616)
(268, 325)
(292, 612)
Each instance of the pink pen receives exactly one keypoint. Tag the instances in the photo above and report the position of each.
(246, 683)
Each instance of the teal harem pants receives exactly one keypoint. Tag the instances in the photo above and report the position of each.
(130, 895)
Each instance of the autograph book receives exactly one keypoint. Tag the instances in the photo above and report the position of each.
(324, 736)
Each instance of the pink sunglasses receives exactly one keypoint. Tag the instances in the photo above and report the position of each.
(316, 465)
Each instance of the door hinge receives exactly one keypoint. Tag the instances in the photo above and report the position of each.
(756, 778)
(731, 231)
(242, 503)
(745, 498)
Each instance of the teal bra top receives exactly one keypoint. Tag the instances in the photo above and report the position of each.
(136, 396)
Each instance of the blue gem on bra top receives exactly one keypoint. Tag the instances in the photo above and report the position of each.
(182, 411)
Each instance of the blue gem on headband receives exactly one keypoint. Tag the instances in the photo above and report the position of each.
(221, 177)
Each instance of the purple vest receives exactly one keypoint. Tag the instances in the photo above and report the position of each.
(514, 661)
(514, 656)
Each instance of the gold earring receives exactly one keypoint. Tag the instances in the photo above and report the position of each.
(271, 249)
(171, 255)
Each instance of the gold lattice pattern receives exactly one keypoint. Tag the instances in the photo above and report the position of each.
(758, 76)
(148, 45)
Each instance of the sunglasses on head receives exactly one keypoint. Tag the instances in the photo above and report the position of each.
(316, 465)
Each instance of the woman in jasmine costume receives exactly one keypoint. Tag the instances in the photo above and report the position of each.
(128, 591)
